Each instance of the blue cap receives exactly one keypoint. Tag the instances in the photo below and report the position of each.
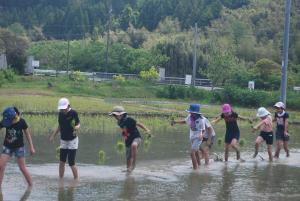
(194, 108)
(9, 115)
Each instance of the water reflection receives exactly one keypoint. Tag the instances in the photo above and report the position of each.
(66, 192)
(227, 182)
(129, 189)
(24, 197)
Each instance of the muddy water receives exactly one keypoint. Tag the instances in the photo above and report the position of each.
(163, 172)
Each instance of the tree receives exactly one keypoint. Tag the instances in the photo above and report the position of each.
(15, 49)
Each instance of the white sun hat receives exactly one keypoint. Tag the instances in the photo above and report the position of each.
(118, 110)
(63, 104)
(280, 105)
(262, 112)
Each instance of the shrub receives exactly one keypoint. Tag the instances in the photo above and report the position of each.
(119, 77)
(9, 75)
(76, 76)
(151, 74)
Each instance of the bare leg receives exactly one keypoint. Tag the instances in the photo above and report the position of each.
(286, 149)
(206, 154)
(131, 163)
(234, 145)
(74, 171)
(194, 159)
(226, 152)
(22, 166)
(3, 160)
(279, 144)
(198, 157)
(61, 169)
(270, 152)
(258, 141)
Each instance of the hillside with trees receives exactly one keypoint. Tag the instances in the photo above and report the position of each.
(238, 40)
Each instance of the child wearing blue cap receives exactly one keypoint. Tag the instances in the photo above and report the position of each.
(13, 142)
(194, 121)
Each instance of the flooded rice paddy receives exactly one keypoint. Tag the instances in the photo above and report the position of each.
(163, 172)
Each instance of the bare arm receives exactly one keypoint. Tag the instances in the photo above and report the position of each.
(286, 126)
(52, 136)
(256, 127)
(215, 121)
(245, 119)
(28, 136)
(173, 122)
(142, 126)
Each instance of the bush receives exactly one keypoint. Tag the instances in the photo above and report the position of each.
(9, 75)
(245, 97)
(77, 77)
(150, 74)
(2, 79)
(182, 92)
(119, 77)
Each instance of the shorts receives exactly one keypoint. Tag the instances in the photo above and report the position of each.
(281, 136)
(267, 136)
(68, 153)
(68, 150)
(195, 143)
(17, 152)
(230, 136)
(204, 142)
(138, 141)
(69, 144)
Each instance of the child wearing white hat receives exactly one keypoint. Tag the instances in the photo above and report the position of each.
(266, 131)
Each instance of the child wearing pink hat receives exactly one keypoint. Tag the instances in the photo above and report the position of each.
(232, 134)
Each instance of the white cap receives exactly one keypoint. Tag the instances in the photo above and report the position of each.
(63, 103)
(280, 105)
(262, 112)
(118, 110)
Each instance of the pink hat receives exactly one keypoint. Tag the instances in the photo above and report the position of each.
(226, 108)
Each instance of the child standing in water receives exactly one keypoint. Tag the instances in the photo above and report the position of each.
(13, 144)
(68, 125)
(282, 134)
(266, 131)
(208, 139)
(130, 133)
(194, 121)
(232, 134)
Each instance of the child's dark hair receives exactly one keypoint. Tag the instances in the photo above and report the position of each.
(17, 111)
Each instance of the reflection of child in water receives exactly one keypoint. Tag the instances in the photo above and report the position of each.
(13, 144)
(194, 121)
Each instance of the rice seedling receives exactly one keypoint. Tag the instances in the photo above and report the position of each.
(120, 147)
(102, 156)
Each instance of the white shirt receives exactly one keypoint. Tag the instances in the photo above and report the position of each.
(206, 124)
(196, 129)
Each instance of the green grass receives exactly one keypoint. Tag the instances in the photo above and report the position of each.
(33, 94)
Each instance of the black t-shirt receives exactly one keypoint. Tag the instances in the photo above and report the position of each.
(231, 123)
(281, 119)
(14, 134)
(129, 130)
(67, 122)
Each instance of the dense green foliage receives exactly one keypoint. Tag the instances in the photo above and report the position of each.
(69, 18)
(238, 41)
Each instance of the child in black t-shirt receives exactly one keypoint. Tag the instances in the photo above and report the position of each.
(282, 133)
(232, 134)
(14, 143)
(68, 125)
(130, 134)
